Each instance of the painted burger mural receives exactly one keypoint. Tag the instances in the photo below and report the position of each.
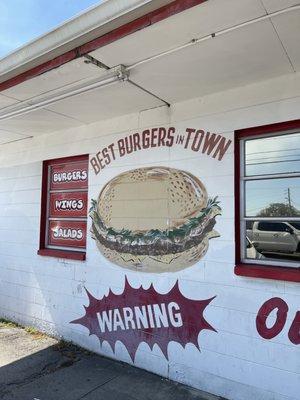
(154, 219)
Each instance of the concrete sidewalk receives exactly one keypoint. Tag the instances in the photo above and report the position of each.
(36, 367)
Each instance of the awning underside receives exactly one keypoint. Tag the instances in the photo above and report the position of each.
(256, 51)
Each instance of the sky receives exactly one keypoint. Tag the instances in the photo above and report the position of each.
(272, 155)
(23, 20)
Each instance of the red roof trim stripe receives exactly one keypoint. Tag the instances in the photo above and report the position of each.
(140, 23)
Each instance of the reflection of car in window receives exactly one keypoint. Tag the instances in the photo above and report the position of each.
(295, 225)
(281, 237)
(251, 251)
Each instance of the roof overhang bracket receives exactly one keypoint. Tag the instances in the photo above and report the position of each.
(91, 60)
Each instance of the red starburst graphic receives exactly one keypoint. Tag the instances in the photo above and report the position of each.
(144, 315)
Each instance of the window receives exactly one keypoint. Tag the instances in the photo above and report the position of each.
(268, 201)
(272, 227)
(296, 225)
(64, 208)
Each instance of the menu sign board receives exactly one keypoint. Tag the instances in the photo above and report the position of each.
(67, 204)
(72, 175)
(67, 233)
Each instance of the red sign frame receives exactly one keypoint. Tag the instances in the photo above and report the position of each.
(64, 233)
(71, 175)
(68, 204)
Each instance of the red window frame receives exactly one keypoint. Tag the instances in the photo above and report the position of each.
(258, 270)
(43, 249)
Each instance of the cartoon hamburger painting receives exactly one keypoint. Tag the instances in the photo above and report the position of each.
(154, 219)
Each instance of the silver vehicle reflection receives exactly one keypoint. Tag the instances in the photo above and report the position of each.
(276, 238)
(251, 251)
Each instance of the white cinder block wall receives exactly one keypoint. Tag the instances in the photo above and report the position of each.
(48, 293)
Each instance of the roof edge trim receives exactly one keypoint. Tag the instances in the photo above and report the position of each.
(115, 34)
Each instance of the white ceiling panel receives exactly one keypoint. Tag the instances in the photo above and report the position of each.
(240, 57)
(288, 28)
(6, 101)
(106, 102)
(66, 74)
(198, 21)
(276, 5)
(7, 137)
(38, 122)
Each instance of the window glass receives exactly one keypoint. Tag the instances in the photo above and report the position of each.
(249, 224)
(273, 155)
(296, 225)
(273, 240)
(273, 197)
(273, 226)
(65, 204)
(270, 205)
